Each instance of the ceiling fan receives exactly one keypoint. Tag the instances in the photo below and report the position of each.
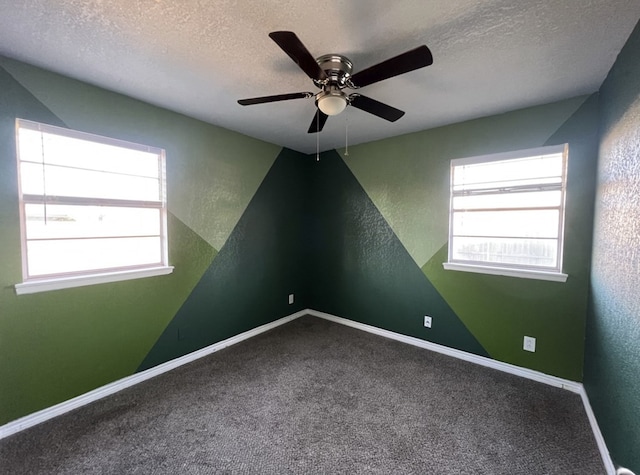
(331, 73)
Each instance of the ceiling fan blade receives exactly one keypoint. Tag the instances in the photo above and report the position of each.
(415, 59)
(374, 107)
(319, 119)
(291, 44)
(279, 97)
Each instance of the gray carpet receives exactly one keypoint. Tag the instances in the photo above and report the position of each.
(317, 397)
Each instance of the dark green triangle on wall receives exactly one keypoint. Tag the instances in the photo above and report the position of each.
(15, 102)
(248, 282)
(22, 104)
(362, 272)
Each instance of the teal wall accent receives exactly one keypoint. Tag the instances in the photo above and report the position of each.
(59, 344)
(262, 261)
(612, 355)
(408, 176)
(362, 271)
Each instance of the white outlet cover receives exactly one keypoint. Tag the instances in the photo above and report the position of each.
(427, 321)
(290, 299)
(529, 344)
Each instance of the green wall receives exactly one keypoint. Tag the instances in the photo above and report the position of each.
(612, 356)
(382, 260)
(361, 270)
(262, 261)
(59, 344)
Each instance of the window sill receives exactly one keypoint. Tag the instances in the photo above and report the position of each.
(44, 285)
(521, 273)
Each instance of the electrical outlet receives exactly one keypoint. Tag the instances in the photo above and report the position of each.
(427, 321)
(290, 299)
(529, 344)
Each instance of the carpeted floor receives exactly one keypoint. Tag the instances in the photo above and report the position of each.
(317, 397)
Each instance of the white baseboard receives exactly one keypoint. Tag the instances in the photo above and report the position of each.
(111, 388)
(569, 385)
(462, 355)
(595, 428)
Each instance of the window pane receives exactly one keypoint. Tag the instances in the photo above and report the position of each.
(61, 181)
(31, 179)
(93, 155)
(543, 169)
(63, 221)
(507, 209)
(30, 145)
(537, 199)
(56, 257)
(525, 252)
(534, 223)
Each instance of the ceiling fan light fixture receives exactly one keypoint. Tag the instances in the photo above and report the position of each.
(332, 102)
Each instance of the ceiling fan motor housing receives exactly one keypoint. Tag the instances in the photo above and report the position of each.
(337, 67)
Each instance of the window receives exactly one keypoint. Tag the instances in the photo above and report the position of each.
(507, 213)
(92, 209)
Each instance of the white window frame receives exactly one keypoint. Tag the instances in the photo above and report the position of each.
(513, 270)
(95, 276)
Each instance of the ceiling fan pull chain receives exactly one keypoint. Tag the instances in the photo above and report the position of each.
(346, 138)
(44, 177)
(318, 135)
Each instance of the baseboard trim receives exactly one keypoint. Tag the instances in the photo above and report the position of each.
(462, 355)
(595, 428)
(112, 388)
(569, 385)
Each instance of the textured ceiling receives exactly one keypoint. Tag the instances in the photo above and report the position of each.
(198, 57)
